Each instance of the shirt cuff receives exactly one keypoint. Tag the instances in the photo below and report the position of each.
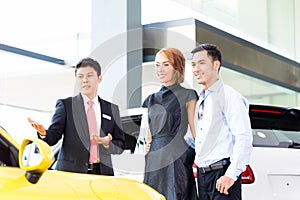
(233, 174)
(42, 136)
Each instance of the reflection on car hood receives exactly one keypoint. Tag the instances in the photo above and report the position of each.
(66, 185)
(14, 185)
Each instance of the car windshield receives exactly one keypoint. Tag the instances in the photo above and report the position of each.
(8, 152)
(276, 138)
(275, 126)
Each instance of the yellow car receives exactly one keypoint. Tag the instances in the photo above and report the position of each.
(24, 175)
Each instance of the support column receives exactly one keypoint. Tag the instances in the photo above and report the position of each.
(117, 45)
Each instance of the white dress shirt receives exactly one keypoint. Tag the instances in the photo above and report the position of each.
(223, 129)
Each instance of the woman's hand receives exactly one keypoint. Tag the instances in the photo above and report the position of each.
(148, 144)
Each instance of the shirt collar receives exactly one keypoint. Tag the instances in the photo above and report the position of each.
(216, 86)
(86, 99)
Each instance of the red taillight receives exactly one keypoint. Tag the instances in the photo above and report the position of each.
(195, 171)
(275, 112)
(248, 176)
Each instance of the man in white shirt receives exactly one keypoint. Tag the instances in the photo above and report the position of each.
(224, 138)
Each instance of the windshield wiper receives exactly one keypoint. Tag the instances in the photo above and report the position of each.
(294, 145)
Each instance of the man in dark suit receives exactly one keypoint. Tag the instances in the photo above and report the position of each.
(71, 121)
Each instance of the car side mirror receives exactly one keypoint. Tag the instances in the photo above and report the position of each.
(35, 156)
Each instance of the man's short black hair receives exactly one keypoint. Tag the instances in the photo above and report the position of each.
(212, 51)
(85, 62)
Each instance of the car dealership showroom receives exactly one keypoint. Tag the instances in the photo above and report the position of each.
(41, 43)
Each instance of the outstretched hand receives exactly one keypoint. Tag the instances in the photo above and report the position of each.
(38, 127)
(102, 140)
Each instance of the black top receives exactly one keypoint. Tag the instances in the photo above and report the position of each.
(169, 161)
(167, 110)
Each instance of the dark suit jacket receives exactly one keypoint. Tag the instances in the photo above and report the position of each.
(69, 121)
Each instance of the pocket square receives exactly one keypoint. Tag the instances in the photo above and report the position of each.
(106, 116)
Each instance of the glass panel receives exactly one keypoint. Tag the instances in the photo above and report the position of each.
(255, 90)
(275, 138)
(54, 28)
(32, 83)
(258, 91)
(267, 23)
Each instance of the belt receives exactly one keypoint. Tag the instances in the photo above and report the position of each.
(215, 166)
(93, 166)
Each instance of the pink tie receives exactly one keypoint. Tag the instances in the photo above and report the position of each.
(91, 118)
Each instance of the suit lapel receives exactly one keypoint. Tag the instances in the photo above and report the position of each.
(80, 120)
(104, 116)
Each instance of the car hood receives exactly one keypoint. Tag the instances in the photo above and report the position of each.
(66, 185)
(14, 185)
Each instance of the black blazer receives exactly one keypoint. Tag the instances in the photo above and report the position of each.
(69, 121)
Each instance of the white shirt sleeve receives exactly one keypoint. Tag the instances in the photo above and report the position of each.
(238, 120)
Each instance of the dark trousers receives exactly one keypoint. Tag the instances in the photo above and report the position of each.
(207, 186)
(94, 169)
